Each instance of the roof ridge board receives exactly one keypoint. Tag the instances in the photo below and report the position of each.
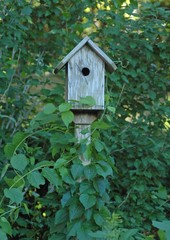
(104, 57)
(71, 53)
(110, 66)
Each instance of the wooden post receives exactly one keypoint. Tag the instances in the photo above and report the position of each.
(83, 122)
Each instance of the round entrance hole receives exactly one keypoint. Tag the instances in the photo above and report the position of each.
(85, 71)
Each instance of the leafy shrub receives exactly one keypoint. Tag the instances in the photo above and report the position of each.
(46, 192)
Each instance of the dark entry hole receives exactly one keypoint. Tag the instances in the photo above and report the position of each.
(85, 71)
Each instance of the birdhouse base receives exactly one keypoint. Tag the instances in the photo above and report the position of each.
(83, 122)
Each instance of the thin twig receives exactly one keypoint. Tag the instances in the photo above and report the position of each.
(121, 93)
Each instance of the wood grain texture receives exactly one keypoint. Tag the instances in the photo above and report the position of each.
(110, 66)
(80, 86)
(83, 123)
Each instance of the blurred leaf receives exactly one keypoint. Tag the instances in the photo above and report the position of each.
(128, 233)
(51, 176)
(61, 216)
(4, 170)
(14, 194)
(88, 100)
(36, 179)
(49, 108)
(19, 162)
(67, 117)
(26, 11)
(5, 225)
(98, 145)
(64, 107)
(100, 124)
(17, 141)
(87, 200)
(60, 162)
(3, 235)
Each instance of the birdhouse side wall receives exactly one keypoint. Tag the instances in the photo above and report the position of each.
(85, 76)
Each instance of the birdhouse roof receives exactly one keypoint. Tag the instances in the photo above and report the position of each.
(110, 66)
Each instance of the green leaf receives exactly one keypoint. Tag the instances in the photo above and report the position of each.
(9, 150)
(88, 214)
(19, 137)
(4, 170)
(49, 108)
(19, 162)
(82, 233)
(101, 185)
(161, 234)
(51, 176)
(64, 139)
(98, 234)
(87, 200)
(87, 187)
(67, 117)
(73, 228)
(162, 193)
(17, 181)
(88, 100)
(104, 169)
(61, 216)
(66, 176)
(17, 141)
(77, 170)
(60, 162)
(128, 233)
(75, 211)
(14, 194)
(5, 225)
(26, 208)
(65, 199)
(99, 220)
(111, 109)
(43, 118)
(99, 146)
(90, 171)
(164, 225)
(26, 11)
(100, 124)
(3, 236)
(64, 107)
(44, 163)
(58, 237)
(36, 179)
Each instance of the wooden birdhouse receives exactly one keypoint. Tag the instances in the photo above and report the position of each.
(85, 70)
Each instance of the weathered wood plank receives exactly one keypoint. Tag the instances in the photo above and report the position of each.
(71, 54)
(92, 84)
(110, 66)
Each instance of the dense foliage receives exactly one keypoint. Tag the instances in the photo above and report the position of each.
(46, 191)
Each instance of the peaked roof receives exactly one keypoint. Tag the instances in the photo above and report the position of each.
(110, 66)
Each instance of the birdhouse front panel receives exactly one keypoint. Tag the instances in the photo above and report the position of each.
(85, 73)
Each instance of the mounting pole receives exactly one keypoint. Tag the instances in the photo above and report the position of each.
(82, 122)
